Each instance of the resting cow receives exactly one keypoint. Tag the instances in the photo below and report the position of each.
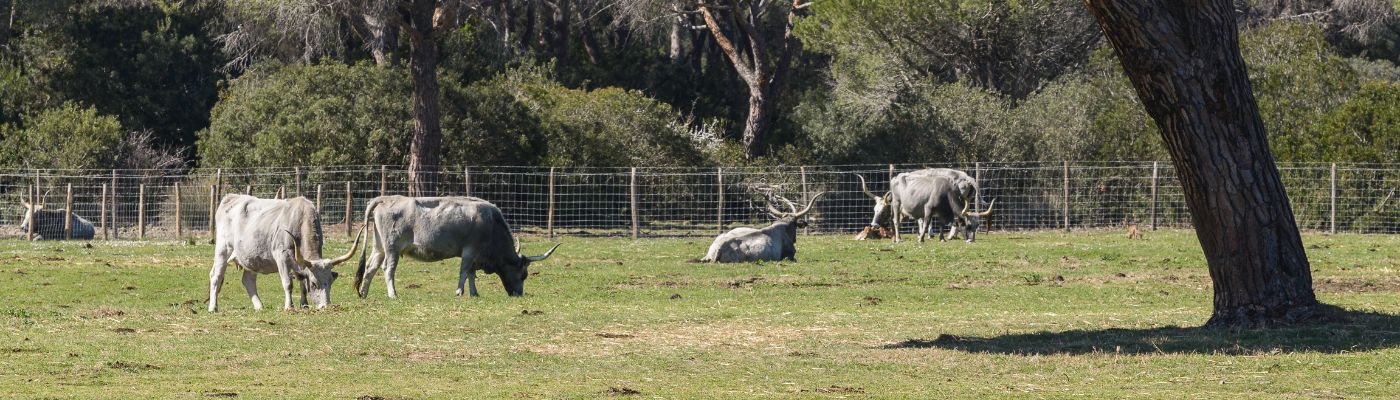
(772, 243)
(48, 224)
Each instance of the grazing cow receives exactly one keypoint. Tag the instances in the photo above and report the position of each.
(48, 224)
(772, 243)
(439, 228)
(924, 196)
(264, 236)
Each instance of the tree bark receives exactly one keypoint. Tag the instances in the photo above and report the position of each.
(558, 36)
(425, 149)
(1184, 61)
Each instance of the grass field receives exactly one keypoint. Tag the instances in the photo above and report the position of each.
(1014, 315)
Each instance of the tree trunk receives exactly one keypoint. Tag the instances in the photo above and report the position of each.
(528, 34)
(559, 36)
(427, 131)
(677, 22)
(1184, 61)
(756, 126)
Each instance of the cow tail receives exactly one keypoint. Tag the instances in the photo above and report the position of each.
(370, 241)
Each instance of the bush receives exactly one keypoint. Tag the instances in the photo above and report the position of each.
(68, 136)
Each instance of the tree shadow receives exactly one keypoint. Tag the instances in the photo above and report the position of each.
(1346, 331)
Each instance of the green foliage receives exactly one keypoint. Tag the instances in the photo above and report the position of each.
(1296, 79)
(1364, 129)
(69, 136)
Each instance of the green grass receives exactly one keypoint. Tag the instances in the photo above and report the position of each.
(1014, 315)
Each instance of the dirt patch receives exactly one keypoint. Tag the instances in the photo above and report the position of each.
(621, 391)
(106, 312)
(130, 367)
(739, 283)
(531, 312)
(220, 393)
(873, 301)
(123, 330)
(840, 390)
(609, 335)
(1340, 285)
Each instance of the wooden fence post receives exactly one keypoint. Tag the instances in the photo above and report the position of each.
(802, 172)
(1153, 221)
(318, 199)
(281, 191)
(891, 172)
(549, 213)
(977, 176)
(636, 228)
(179, 227)
(383, 179)
(719, 205)
(102, 209)
(141, 212)
(1332, 225)
(349, 211)
(68, 214)
(296, 171)
(213, 207)
(33, 202)
(1066, 198)
(116, 232)
(467, 181)
(248, 189)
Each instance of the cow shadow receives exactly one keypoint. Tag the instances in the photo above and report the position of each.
(1347, 331)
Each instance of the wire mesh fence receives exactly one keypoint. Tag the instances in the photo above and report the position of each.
(135, 204)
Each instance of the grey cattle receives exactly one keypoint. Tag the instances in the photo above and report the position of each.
(48, 224)
(772, 243)
(264, 236)
(439, 228)
(923, 195)
(967, 186)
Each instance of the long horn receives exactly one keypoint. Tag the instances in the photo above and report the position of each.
(296, 251)
(775, 212)
(545, 255)
(353, 247)
(989, 209)
(790, 205)
(866, 190)
(810, 203)
(964, 210)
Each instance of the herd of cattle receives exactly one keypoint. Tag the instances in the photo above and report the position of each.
(283, 236)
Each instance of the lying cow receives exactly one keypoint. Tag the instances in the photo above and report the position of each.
(48, 224)
(924, 197)
(772, 243)
(263, 236)
(439, 228)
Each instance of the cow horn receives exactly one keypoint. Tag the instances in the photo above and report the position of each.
(866, 190)
(545, 255)
(351, 253)
(964, 210)
(989, 209)
(296, 251)
(790, 205)
(810, 203)
(775, 212)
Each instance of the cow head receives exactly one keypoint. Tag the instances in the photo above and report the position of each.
(794, 216)
(973, 220)
(514, 278)
(316, 274)
(883, 214)
(29, 210)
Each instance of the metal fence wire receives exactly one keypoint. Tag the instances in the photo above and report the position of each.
(136, 204)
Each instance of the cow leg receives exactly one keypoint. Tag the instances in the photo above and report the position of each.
(302, 284)
(466, 274)
(923, 228)
(250, 282)
(284, 272)
(216, 276)
(894, 220)
(391, 264)
(376, 259)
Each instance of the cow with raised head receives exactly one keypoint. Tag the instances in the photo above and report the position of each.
(772, 243)
(48, 224)
(439, 228)
(925, 196)
(263, 236)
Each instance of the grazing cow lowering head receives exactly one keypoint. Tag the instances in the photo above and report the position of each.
(316, 274)
(925, 195)
(971, 220)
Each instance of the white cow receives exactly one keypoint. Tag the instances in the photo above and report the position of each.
(263, 236)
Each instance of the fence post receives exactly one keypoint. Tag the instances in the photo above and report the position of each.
(116, 233)
(179, 228)
(213, 206)
(719, 205)
(33, 202)
(977, 176)
(248, 189)
(802, 172)
(636, 229)
(218, 186)
(1333, 219)
(1066, 198)
(318, 199)
(467, 181)
(68, 214)
(281, 191)
(296, 171)
(1153, 222)
(383, 179)
(549, 213)
(349, 211)
(102, 209)
(141, 212)
(891, 172)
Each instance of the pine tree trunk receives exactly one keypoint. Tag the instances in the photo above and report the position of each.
(1184, 61)
(425, 149)
(756, 126)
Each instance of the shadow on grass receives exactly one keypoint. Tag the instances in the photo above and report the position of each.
(1349, 331)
